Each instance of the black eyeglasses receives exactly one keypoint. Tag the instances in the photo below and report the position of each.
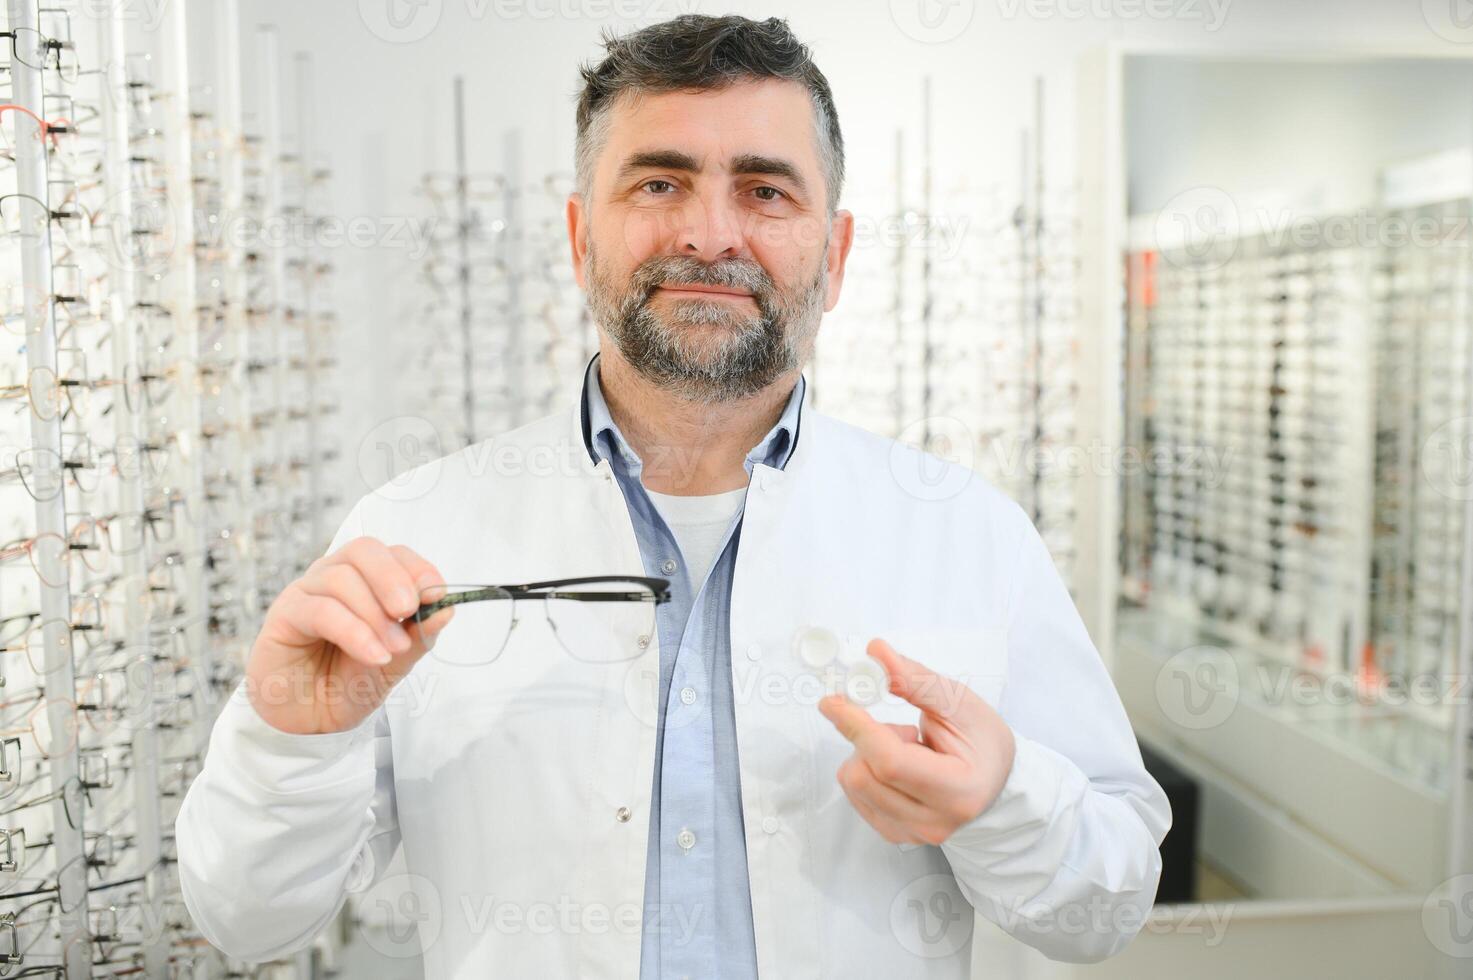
(597, 619)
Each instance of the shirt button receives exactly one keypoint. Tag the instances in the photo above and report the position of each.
(622, 814)
(754, 652)
(769, 824)
(668, 566)
(688, 695)
(686, 839)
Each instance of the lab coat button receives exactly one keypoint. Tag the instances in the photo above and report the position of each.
(622, 814)
(754, 652)
(769, 824)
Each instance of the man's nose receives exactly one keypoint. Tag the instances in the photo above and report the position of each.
(710, 228)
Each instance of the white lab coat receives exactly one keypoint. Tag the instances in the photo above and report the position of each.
(520, 790)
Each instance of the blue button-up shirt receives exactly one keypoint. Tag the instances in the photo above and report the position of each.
(697, 900)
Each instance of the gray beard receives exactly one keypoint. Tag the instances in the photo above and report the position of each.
(706, 351)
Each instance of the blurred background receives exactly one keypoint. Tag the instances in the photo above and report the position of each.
(1189, 279)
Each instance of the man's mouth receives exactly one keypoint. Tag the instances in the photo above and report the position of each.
(700, 290)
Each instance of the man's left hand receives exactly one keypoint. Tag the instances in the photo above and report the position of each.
(918, 784)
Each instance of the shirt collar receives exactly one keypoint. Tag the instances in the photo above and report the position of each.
(603, 440)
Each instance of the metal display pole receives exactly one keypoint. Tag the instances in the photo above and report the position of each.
(274, 472)
(179, 184)
(51, 518)
(1036, 270)
(235, 291)
(142, 689)
(900, 283)
(513, 255)
(308, 317)
(463, 263)
(927, 299)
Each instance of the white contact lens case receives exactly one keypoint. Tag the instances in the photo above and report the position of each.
(843, 668)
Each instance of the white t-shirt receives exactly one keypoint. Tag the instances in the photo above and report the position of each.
(699, 524)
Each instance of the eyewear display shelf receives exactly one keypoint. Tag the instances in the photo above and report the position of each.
(1293, 562)
(958, 328)
(512, 331)
(163, 403)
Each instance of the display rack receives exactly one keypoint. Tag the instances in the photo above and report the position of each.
(511, 329)
(1320, 377)
(958, 326)
(166, 381)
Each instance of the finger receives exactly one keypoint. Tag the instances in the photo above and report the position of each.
(424, 574)
(907, 733)
(329, 619)
(426, 577)
(920, 685)
(346, 584)
(390, 581)
(891, 802)
(907, 765)
(885, 826)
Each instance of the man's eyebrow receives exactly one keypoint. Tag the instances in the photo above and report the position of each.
(658, 160)
(754, 163)
(747, 163)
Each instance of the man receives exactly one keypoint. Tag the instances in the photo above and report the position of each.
(696, 806)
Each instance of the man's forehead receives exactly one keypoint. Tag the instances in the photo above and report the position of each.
(750, 117)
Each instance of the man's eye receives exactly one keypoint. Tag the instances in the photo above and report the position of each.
(766, 193)
(658, 183)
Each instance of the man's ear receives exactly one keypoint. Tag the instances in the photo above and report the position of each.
(841, 240)
(577, 216)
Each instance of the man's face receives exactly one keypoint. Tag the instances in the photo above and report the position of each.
(706, 247)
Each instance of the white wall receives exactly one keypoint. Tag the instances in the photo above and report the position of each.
(1323, 128)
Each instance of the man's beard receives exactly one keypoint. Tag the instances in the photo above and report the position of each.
(707, 350)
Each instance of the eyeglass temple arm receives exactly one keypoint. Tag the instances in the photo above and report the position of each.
(540, 590)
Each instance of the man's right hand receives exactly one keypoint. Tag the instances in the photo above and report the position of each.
(332, 645)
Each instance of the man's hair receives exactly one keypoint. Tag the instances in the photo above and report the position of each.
(695, 52)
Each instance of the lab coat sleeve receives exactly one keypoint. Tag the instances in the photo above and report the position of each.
(1067, 858)
(278, 828)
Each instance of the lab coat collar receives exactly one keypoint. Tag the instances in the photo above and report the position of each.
(600, 434)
